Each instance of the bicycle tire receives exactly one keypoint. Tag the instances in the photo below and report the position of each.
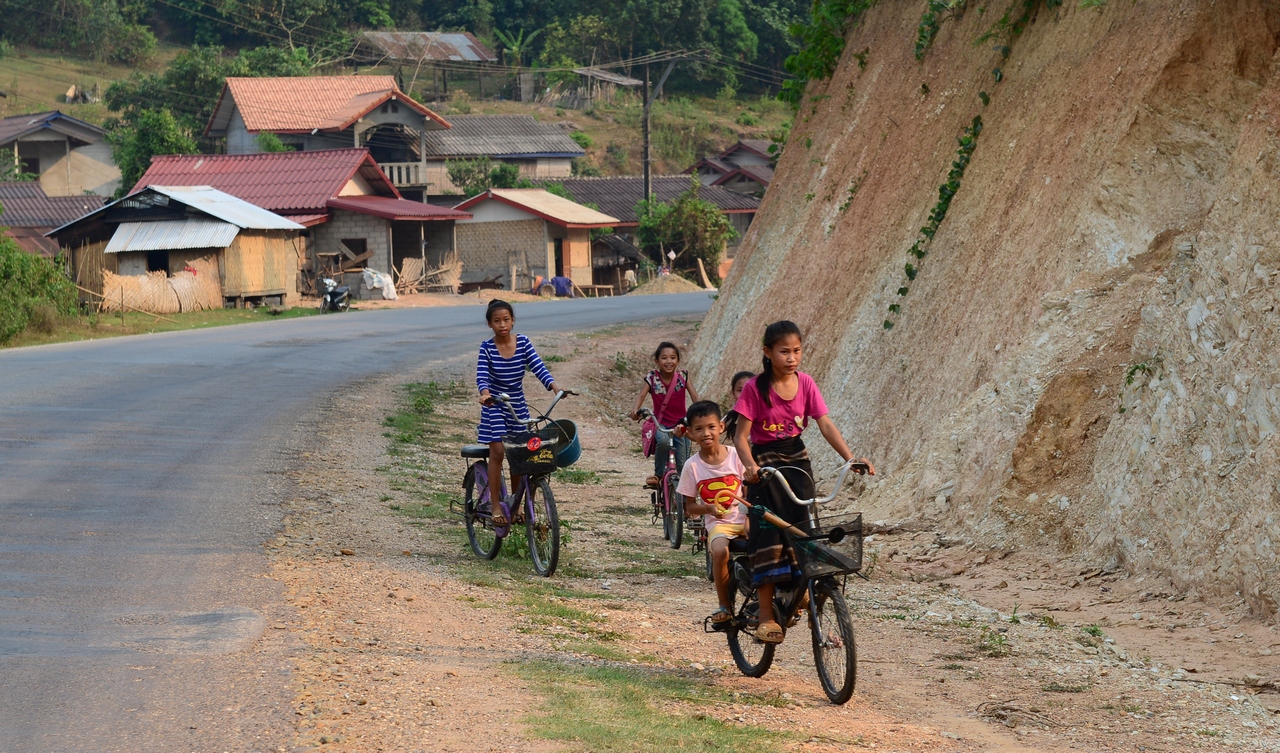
(674, 513)
(484, 541)
(835, 650)
(706, 552)
(753, 657)
(542, 523)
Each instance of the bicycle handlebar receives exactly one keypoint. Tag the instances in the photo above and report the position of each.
(853, 464)
(504, 400)
(646, 413)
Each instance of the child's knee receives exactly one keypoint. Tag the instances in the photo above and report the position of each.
(496, 452)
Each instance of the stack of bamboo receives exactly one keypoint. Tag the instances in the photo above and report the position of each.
(195, 288)
(413, 277)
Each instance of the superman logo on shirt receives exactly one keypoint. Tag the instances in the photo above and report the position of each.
(719, 491)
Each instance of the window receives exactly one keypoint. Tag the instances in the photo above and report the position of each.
(355, 252)
(30, 165)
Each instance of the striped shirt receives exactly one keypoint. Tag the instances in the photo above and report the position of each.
(498, 374)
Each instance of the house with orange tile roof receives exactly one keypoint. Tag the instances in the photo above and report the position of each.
(310, 113)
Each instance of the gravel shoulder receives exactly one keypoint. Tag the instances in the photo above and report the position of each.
(399, 639)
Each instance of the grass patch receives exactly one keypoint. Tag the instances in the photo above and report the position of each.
(99, 326)
(993, 643)
(619, 709)
(576, 476)
(1057, 687)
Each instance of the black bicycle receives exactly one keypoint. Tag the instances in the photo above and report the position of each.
(828, 550)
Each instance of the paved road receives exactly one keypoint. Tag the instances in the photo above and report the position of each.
(135, 494)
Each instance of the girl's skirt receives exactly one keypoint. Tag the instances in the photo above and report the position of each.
(772, 561)
(496, 422)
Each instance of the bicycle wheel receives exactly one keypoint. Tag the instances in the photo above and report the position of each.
(835, 653)
(543, 526)
(475, 510)
(706, 553)
(753, 657)
(673, 513)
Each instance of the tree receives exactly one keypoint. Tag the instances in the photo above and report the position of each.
(690, 227)
(475, 176)
(190, 86)
(514, 45)
(269, 142)
(31, 287)
(135, 140)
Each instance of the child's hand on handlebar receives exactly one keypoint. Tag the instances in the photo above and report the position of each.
(485, 398)
(863, 466)
(751, 474)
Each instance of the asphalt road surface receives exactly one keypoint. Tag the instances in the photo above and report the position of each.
(136, 492)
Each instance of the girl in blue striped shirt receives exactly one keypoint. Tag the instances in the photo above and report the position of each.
(500, 368)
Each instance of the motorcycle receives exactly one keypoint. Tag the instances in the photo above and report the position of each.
(334, 297)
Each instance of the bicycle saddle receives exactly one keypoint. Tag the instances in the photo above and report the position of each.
(475, 451)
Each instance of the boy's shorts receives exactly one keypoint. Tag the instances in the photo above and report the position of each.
(727, 530)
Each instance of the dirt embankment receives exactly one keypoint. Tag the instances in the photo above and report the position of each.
(1087, 358)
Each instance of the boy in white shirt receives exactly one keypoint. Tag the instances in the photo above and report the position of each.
(710, 481)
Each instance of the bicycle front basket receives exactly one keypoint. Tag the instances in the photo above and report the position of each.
(532, 453)
(833, 546)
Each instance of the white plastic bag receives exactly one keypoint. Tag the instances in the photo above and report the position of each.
(375, 280)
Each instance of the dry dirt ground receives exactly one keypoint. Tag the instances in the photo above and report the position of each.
(401, 640)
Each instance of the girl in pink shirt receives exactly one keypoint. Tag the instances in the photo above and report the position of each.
(669, 387)
(778, 405)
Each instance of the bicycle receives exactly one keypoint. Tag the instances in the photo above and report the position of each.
(671, 509)
(534, 455)
(826, 550)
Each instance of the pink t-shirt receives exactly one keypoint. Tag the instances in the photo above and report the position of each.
(713, 485)
(784, 418)
(670, 410)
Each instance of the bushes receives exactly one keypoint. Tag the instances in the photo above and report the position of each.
(34, 291)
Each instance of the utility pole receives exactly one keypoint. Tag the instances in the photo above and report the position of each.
(644, 159)
(648, 108)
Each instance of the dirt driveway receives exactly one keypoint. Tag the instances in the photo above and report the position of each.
(401, 640)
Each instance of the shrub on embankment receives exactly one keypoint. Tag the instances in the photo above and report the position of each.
(34, 291)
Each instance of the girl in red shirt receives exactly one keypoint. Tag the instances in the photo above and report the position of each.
(669, 387)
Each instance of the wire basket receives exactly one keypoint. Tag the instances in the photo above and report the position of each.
(833, 546)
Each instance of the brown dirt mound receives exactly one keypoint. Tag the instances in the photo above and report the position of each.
(666, 284)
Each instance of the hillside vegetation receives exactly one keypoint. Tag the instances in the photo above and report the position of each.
(1034, 247)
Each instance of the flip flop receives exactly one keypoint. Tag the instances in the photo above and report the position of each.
(770, 632)
(502, 520)
(720, 619)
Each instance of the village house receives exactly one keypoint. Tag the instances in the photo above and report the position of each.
(310, 113)
(27, 213)
(353, 215)
(746, 167)
(523, 236)
(618, 196)
(417, 55)
(165, 229)
(71, 157)
(541, 151)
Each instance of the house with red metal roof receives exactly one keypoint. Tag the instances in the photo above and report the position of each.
(310, 113)
(522, 236)
(355, 217)
(746, 167)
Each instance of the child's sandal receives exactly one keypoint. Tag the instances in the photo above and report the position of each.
(720, 618)
(770, 632)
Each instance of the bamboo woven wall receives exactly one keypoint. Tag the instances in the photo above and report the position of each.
(260, 263)
(89, 262)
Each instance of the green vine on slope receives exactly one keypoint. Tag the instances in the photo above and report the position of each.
(1008, 26)
(968, 141)
(935, 12)
(821, 45)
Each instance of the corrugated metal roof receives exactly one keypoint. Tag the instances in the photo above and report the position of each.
(282, 182)
(612, 78)
(413, 46)
(758, 146)
(500, 136)
(396, 209)
(545, 205)
(17, 126)
(32, 240)
(298, 104)
(171, 235)
(26, 205)
(227, 208)
(618, 196)
(762, 174)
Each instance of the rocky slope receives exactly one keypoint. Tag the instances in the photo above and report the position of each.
(1088, 357)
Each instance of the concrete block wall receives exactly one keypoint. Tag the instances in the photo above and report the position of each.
(485, 247)
(376, 233)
